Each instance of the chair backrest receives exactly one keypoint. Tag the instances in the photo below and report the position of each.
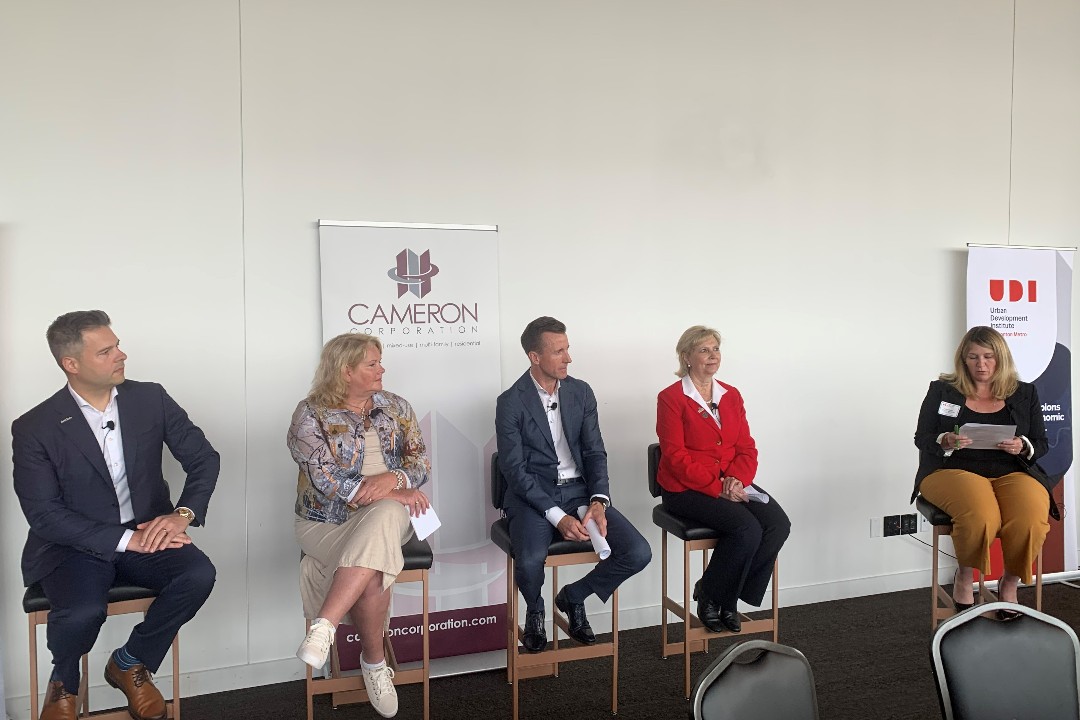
(498, 483)
(988, 668)
(654, 463)
(756, 680)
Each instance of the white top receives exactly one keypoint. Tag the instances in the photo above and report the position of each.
(111, 442)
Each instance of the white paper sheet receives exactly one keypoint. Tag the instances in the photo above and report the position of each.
(986, 437)
(599, 542)
(425, 524)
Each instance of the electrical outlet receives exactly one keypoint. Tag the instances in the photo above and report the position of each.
(909, 525)
(924, 524)
(876, 528)
(891, 526)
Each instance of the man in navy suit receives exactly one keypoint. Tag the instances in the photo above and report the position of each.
(553, 458)
(88, 476)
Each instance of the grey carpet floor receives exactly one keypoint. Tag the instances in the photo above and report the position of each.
(870, 657)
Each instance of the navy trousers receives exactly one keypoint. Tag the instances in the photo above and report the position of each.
(751, 535)
(77, 592)
(531, 533)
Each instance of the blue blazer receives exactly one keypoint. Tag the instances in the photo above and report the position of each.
(527, 453)
(65, 488)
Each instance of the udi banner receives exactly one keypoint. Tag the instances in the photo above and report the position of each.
(430, 294)
(1025, 294)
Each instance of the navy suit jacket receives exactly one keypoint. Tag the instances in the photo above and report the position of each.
(527, 452)
(65, 488)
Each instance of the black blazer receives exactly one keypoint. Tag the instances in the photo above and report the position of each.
(1023, 406)
(65, 488)
(527, 452)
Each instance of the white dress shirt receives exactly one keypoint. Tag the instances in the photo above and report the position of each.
(567, 467)
(111, 442)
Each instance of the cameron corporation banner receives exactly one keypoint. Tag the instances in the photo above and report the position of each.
(1026, 295)
(430, 294)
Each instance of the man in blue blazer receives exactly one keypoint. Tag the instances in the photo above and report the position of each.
(553, 458)
(87, 467)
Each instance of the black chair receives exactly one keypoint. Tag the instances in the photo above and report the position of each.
(991, 669)
(522, 665)
(757, 680)
(122, 599)
(345, 689)
(941, 604)
(696, 636)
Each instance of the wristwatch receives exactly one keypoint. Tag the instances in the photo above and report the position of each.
(186, 514)
(600, 499)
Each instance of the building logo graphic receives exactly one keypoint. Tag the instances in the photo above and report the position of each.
(1016, 290)
(413, 273)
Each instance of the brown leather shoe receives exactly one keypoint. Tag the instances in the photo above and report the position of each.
(59, 703)
(144, 700)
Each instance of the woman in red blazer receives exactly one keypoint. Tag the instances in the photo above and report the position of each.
(708, 462)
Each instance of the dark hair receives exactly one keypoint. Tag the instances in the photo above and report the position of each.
(65, 334)
(530, 339)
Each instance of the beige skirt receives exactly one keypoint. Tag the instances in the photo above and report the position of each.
(371, 538)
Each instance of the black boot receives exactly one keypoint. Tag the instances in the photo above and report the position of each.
(708, 611)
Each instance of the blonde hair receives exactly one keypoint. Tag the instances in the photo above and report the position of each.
(691, 338)
(328, 388)
(1005, 379)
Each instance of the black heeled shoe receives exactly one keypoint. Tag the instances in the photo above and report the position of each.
(730, 620)
(960, 606)
(708, 612)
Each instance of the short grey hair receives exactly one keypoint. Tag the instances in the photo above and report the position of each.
(65, 335)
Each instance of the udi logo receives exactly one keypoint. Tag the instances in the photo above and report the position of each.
(1016, 290)
(413, 273)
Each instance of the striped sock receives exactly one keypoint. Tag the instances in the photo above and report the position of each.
(125, 660)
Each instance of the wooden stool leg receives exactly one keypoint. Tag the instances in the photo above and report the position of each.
(934, 580)
(554, 625)
(615, 652)
(776, 601)
(686, 619)
(427, 649)
(511, 620)
(33, 668)
(176, 677)
(84, 687)
(663, 593)
(1038, 582)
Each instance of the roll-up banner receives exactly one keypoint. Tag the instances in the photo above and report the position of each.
(1025, 293)
(430, 294)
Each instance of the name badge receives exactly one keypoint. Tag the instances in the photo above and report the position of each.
(948, 409)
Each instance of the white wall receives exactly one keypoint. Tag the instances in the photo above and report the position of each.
(803, 176)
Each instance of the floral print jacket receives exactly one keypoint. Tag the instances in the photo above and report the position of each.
(328, 445)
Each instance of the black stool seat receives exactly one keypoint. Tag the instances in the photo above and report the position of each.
(930, 511)
(500, 535)
(34, 599)
(680, 527)
(417, 554)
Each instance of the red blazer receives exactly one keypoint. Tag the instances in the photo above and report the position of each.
(694, 452)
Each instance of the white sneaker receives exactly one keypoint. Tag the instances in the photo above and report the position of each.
(380, 689)
(316, 645)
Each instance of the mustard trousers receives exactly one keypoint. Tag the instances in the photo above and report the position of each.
(1013, 507)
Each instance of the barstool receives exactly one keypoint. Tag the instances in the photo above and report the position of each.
(696, 636)
(941, 603)
(521, 665)
(346, 689)
(122, 599)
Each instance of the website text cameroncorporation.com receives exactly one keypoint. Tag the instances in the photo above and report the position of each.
(449, 624)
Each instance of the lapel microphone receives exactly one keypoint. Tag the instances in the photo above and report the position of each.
(553, 405)
(109, 426)
(712, 406)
